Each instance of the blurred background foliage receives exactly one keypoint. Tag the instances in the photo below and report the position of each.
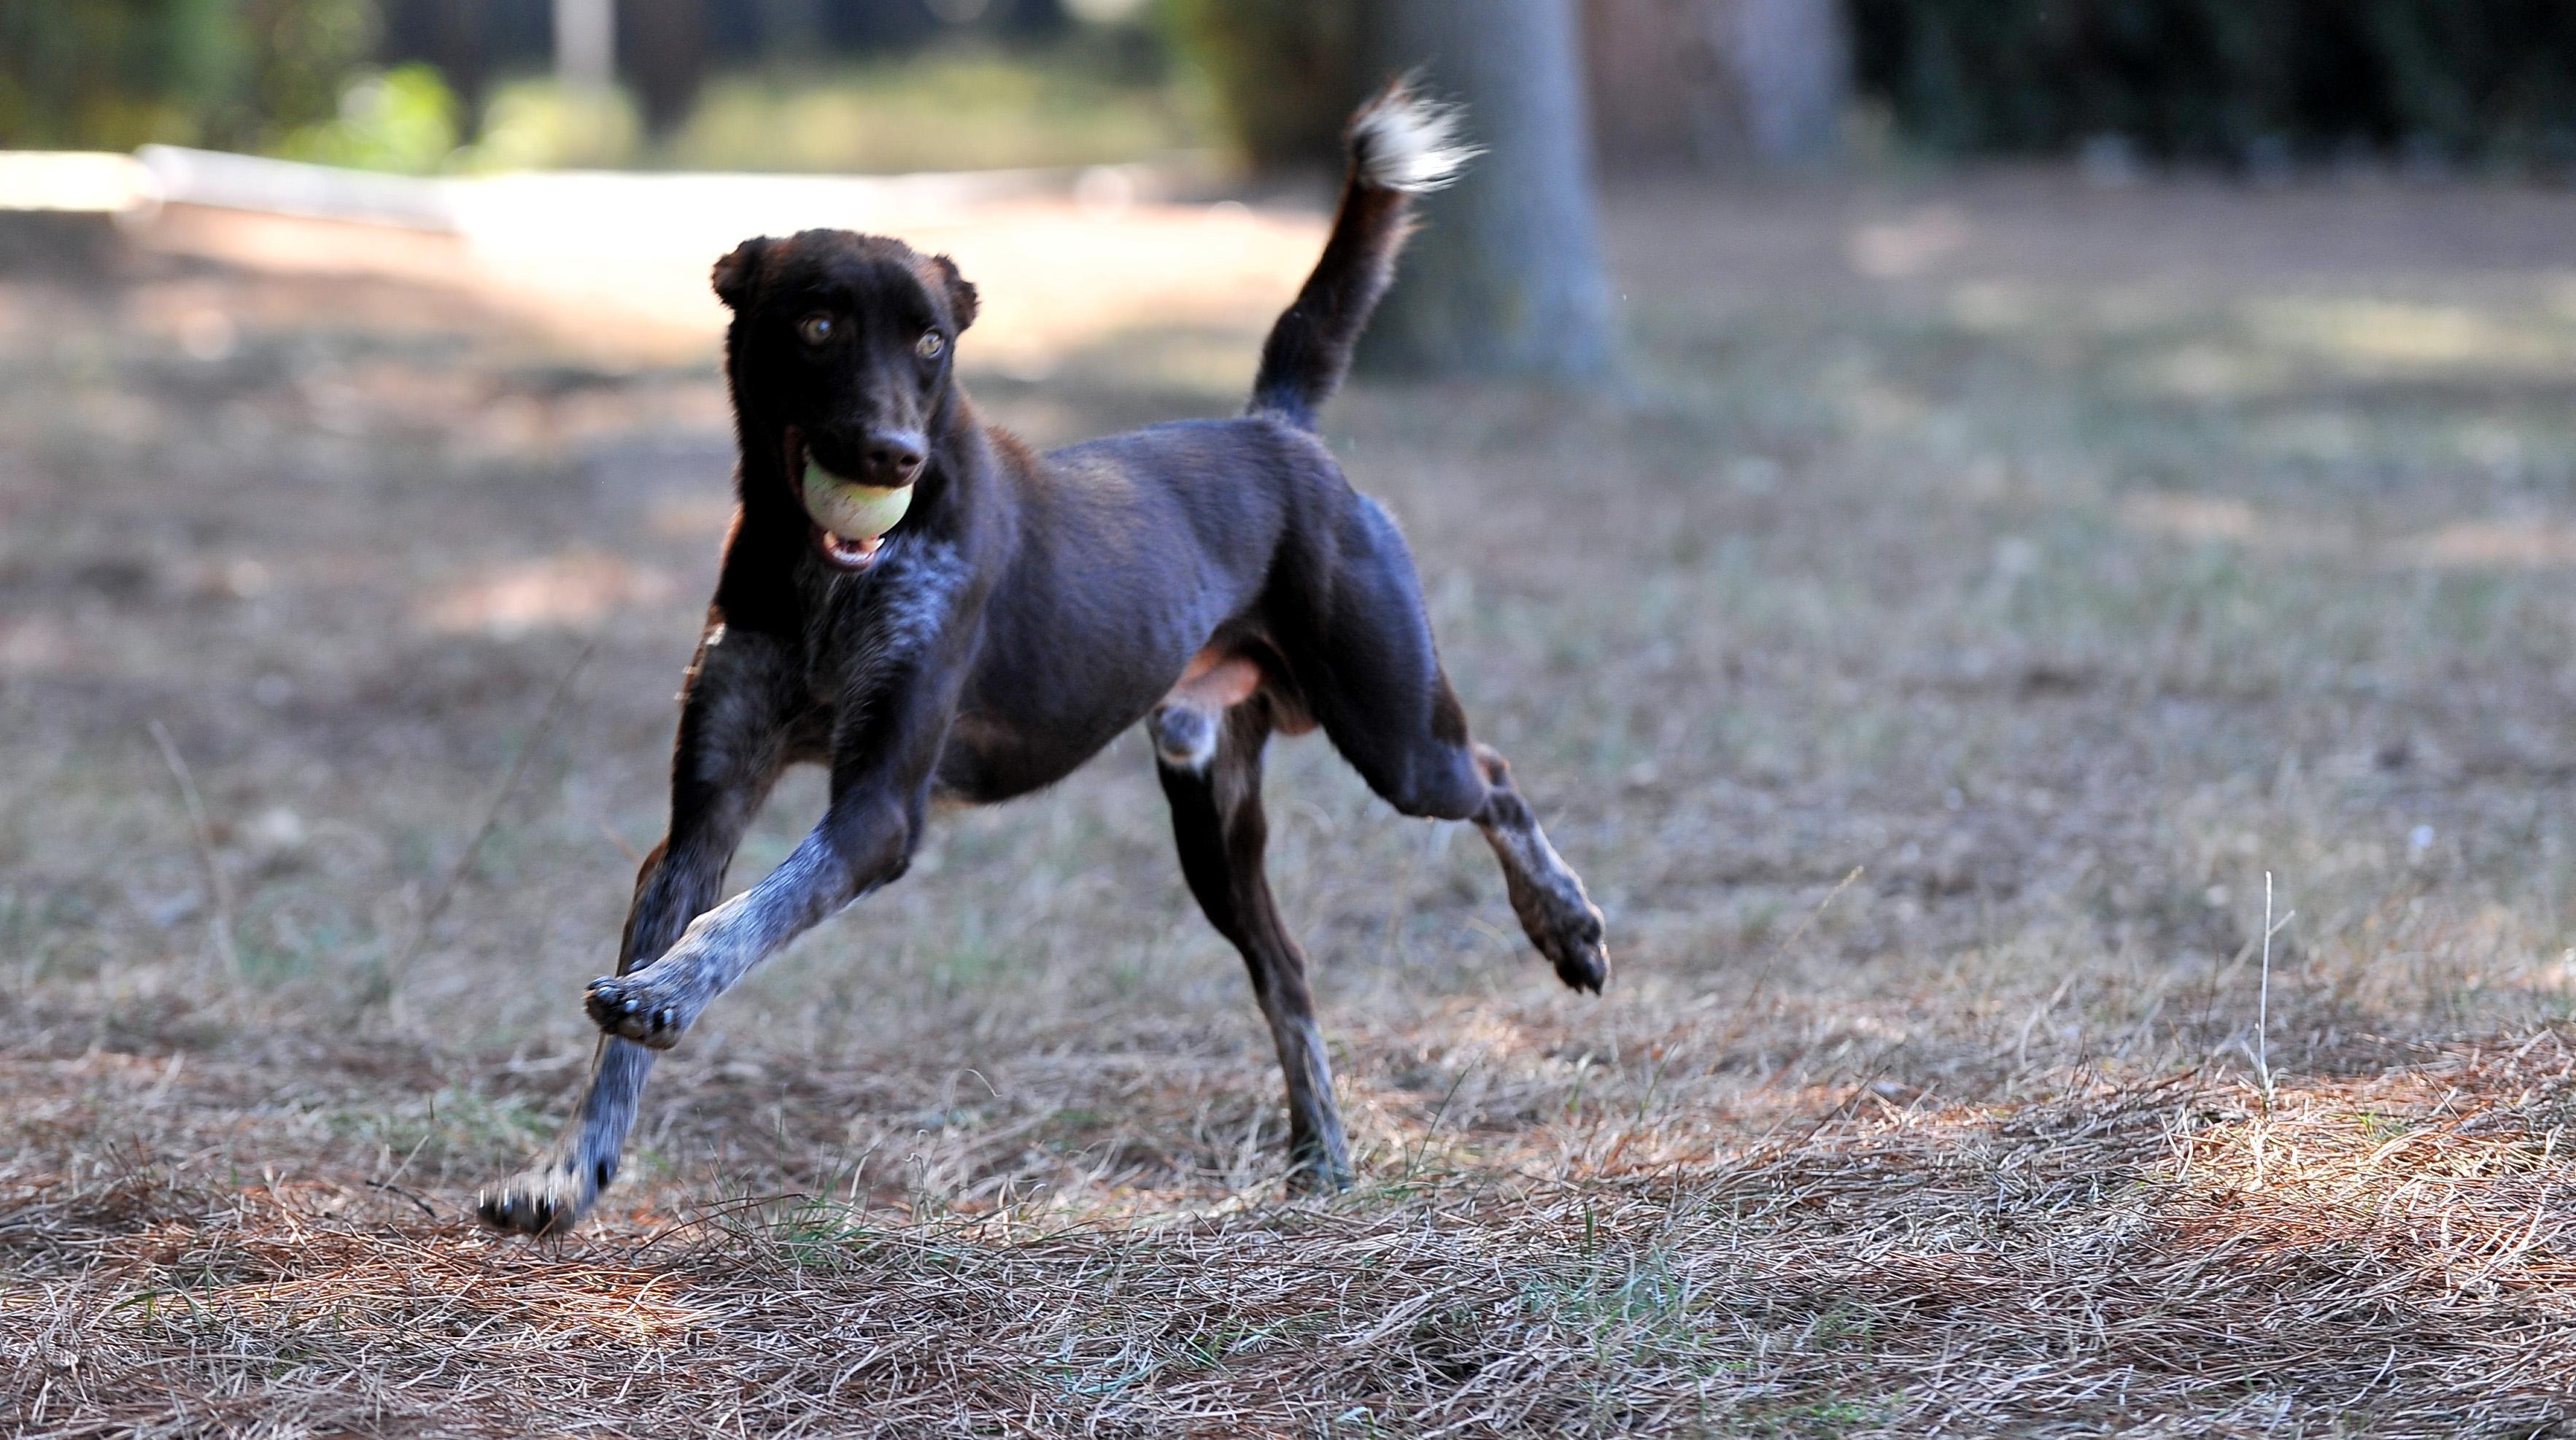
(994, 108)
(2229, 81)
(1283, 72)
(235, 74)
(432, 85)
(447, 85)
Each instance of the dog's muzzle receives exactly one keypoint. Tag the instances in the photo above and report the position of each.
(851, 517)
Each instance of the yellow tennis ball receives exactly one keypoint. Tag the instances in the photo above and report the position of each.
(849, 509)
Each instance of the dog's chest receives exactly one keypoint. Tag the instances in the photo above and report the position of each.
(861, 629)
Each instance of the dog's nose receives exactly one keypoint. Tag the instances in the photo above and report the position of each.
(896, 455)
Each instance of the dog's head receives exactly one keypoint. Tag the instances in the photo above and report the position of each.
(840, 355)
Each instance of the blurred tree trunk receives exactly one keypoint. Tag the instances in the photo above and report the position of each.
(1659, 85)
(1717, 84)
(1287, 72)
(1506, 276)
(662, 52)
(585, 43)
(1792, 62)
(455, 36)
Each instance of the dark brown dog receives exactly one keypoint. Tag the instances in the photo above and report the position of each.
(1219, 579)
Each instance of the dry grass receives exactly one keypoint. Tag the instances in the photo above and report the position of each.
(2060, 561)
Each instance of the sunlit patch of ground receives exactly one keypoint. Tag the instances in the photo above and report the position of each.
(1971, 596)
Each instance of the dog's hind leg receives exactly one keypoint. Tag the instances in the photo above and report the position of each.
(1210, 762)
(1457, 779)
(1365, 667)
(733, 741)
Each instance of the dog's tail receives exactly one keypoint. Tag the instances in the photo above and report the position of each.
(1400, 145)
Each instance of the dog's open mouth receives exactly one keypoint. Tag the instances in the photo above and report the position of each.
(845, 553)
(850, 518)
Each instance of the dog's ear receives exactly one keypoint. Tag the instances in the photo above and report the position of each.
(736, 272)
(961, 291)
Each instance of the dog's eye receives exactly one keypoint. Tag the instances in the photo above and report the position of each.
(929, 345)
(815, 329)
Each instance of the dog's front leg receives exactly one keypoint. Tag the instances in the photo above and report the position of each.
(884, 752)
(736, 724)
(859, 846)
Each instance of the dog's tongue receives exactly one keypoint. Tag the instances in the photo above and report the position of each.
(850, 551)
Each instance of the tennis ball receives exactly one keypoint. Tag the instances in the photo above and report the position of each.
(849, 509)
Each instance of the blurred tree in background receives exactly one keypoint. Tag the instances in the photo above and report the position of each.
(112, 74)
(463, 40)
(404, 119)
(1697, 84)
(427, 85)
(1506, 275)
(1716, 84)
(2232, 81)
(1286, 72)
(662, 53)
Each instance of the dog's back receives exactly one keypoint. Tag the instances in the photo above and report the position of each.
(1135, 552)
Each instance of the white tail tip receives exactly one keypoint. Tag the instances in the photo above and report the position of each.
(1403, 142)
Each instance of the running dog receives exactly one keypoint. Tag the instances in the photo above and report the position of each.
(936, 612)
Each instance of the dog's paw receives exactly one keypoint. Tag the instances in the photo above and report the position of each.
(1565, 926)
(633, 1007)
(546, 1199)
(1572, 943)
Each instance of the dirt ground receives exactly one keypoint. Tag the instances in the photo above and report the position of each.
(1978, 586)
